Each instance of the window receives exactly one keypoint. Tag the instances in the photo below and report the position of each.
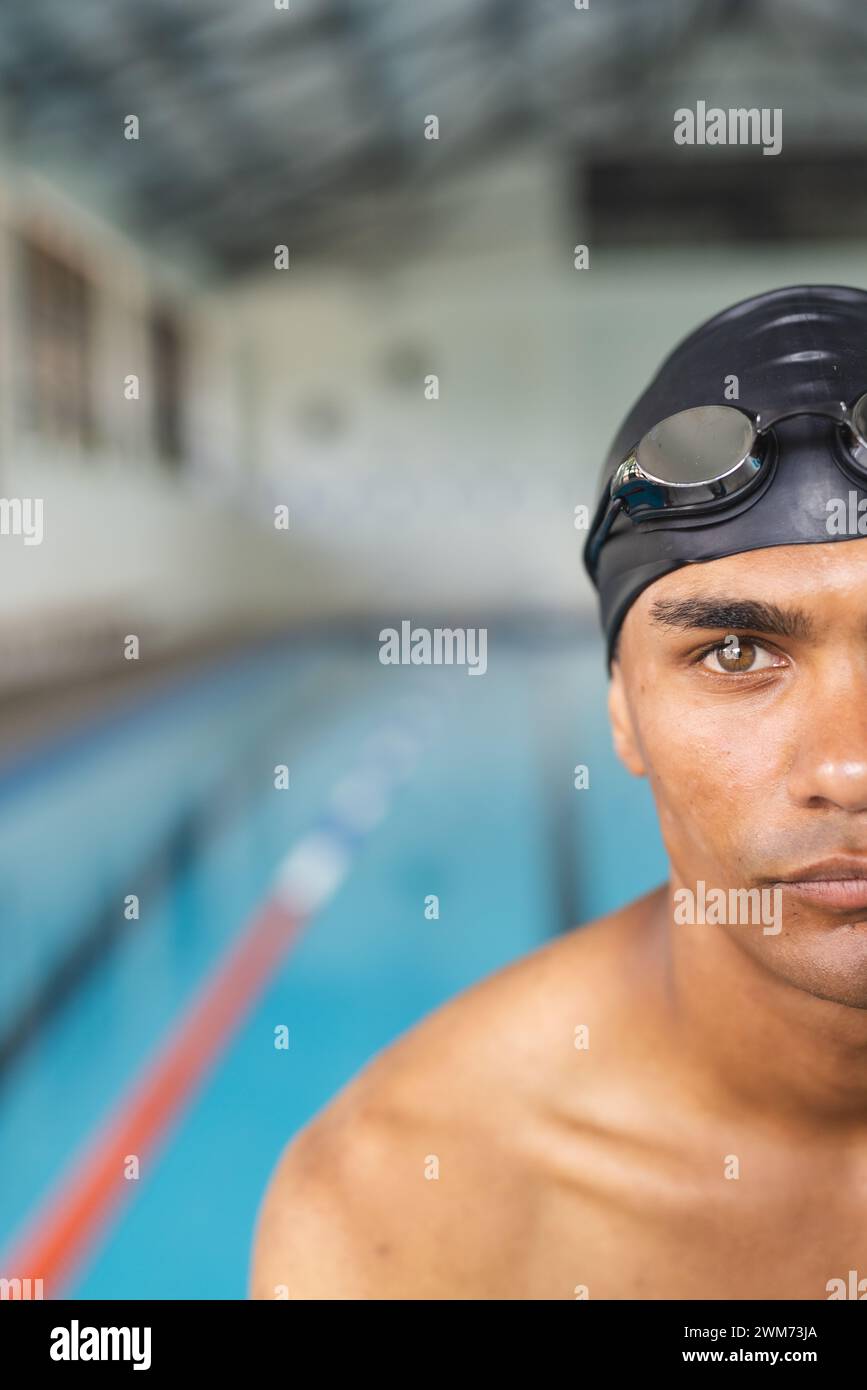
(58, 328)
(167, 361)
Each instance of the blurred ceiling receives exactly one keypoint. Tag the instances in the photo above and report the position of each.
(261, 126)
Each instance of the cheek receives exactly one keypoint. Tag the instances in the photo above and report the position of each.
(713, 770)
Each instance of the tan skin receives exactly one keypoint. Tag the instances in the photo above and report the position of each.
(602, 1171)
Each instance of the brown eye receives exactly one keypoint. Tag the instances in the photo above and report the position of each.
(736, 655)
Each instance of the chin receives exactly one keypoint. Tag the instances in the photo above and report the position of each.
(830, 964)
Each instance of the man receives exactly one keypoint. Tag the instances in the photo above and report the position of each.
(670, 1102)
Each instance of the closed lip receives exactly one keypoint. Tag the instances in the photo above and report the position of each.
(828, 871)
(837, 884)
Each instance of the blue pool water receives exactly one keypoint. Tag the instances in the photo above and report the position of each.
(174, 801)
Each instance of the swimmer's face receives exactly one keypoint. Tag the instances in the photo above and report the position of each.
(756, 746)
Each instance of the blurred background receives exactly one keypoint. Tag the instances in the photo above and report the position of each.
(164, 386)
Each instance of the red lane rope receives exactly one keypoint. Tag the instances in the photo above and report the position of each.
(74, 1215)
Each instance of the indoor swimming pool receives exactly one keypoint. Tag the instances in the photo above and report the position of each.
(136, 853)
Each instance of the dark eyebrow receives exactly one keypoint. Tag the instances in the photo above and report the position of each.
(735, 615)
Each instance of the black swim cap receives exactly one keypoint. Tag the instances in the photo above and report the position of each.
(804, 345)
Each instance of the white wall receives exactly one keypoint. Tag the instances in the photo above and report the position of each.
(470, 500)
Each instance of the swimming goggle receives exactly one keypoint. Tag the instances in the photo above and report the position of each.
(702, 459)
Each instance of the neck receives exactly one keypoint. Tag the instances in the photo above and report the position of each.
(746, 1037)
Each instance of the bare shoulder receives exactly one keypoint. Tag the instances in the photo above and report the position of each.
(407, 1184)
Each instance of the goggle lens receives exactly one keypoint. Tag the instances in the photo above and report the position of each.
(698, 446)
(858, 420)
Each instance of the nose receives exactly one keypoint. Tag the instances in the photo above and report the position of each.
(830, 766)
